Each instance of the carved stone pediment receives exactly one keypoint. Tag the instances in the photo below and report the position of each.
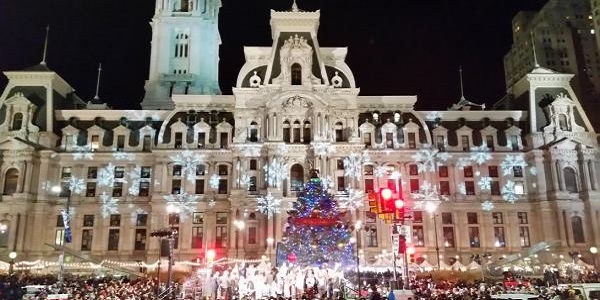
(296, 105)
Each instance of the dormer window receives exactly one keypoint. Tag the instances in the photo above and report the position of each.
(95, 142)
(253, 132)
(17, 121)
(120, 142)
(562, 122)
(178, 140)
(296, 74)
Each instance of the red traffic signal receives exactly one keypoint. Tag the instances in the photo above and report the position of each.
(402, 244)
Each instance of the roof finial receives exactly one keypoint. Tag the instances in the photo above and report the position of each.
(43, 62)
(535, 60)
(97, 97)
(295, 7)
(462, 91)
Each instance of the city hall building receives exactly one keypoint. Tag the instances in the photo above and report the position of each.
(223, 169)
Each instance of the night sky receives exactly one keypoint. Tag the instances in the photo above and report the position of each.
(396, 47)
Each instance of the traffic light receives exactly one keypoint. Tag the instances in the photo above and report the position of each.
(402, 244)
(411, 253)
(386, 202)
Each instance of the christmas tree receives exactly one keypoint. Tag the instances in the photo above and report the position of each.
(317, 233)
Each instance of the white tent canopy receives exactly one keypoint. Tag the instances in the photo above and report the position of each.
(444, 266)
(426, 266)
(582, 263)
(458, 266)
(473, 266)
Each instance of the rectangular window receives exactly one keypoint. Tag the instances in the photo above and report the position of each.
(470, 188)
(493, 171)
(252, 235)
(418, 236)
(447, 218)
(468, 172)
(448, 233)
(519, 188)
(465, 142)
(88, 220)
(113, 239)
(146, 172)
(176, 186)
(117, 189)
(221, 237)
(140, 239)
(472, 218)
(178, 140)
(59, 236)
(201, 139)
(369, 185)
(147, 145)
(389, 140)
(371, 236)
(253, 164)
(417, 216)
(499, 237)
(144, 189)
(495, 188)
(489, 142)
(474, 237)
(119, 172)
(224, 140)
(200, 186)
(341, 185)
(66, 172)
(252, 184)
(413, 170)
(523, 218)
(443, 171)
(200, 170)
(90, 190)
(412, 141)
(115, 220)
(367, 139)
(445, 188)
(222, 170)
(414, 185)
(198, 218)
(92, 173)
(222, 217)
(174, 219)
(86, 240)
(518, 171)
(197, 237)
(222, 186)
(497, 218)
(176, 170)
(95, 142)
(441, 142)
(120, 142)
(340, 164)
(141, 220)
(524, 236)
(59, 221)
(368, 169)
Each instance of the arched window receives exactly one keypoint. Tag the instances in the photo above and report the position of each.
(296, 131)
(4, 229)
(17, 121)
(11, 179)
(562, 122)
(570, 178)
(297, 177)
(296, 74)
(307, 132)
(339, 132)
(577, 225)
(286, 131)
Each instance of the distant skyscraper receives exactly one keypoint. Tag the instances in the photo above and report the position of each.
(564, 38)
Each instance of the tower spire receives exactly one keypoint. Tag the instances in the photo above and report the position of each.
(462, 90)
(535, 60)
(97, 97)
(295, 7)
(43, 62)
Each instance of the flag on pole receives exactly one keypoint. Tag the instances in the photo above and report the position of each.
(67, 224)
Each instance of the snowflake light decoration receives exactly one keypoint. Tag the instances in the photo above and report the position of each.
(463, 162)
(433, 116)
(353, 166)
(380, 172)
(211, 202)
(245, 180)
(82, 153)
(268, 205)
(134, 177)
(250, 150)
(120, 155)
(511, 161)
(428, 192)
(353, 201)
(327, 182)
(76, 185)
(428, 158)
(188, 161)
(487, 205)
(322, 148)
(277, 172)
(108, 205)
(184, 203)
(462, 188)
(485, 183)
(213, 181)
(480, 154)
(509, 193)
(106, 176)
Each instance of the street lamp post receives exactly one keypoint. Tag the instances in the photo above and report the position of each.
(61, 260)
(239, 226)
(270, 242)
(594, 251)
(171, 210)
(12, 255)
(358, 227)
(432, 209)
